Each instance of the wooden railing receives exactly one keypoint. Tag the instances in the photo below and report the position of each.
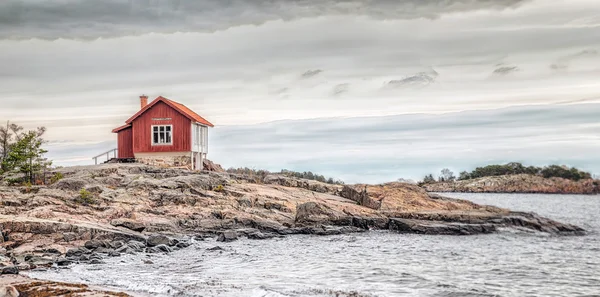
(107, 154)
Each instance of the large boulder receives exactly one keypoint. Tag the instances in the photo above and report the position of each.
(314, 213)
(359, 195)
(129, 224)
(211, 166)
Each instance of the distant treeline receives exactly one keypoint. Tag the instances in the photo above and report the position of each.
(512, 168)
(305, 175)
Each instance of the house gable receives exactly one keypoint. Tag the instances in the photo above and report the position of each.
(182, 109)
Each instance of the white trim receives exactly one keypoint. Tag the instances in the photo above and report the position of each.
(152, 135)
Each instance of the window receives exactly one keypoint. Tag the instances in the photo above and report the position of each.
(162, 135)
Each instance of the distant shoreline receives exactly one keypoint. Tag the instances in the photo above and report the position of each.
(517, 184)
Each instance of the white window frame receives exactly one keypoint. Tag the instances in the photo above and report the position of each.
(152, 135)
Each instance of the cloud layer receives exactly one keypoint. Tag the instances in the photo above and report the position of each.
(89, 19)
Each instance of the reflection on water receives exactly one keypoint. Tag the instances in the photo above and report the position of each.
(377, 263)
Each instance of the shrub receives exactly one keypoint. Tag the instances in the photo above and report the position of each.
(28, 186)
(85, 197)
(219, 188)
(56, 177)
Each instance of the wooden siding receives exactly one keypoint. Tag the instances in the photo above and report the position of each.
(125, 143)
(156, 115)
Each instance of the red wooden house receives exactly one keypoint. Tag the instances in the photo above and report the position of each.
(164, 132)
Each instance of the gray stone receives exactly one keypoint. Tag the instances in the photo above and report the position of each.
(161, 248)
(63, 262)
(227, 236)
(136, 245)
(70, 236)
(10, 270)
(77, 252)
(94, 244)
(96, 261)
(103, 250)
(157, 239)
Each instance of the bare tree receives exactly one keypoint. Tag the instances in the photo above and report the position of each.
(447, 175)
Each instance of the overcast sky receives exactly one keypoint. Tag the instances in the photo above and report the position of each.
(369, 90)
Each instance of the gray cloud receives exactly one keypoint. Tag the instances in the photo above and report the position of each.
(563, 62)
(89, 19)
(311, 73)
(505, 70)
(420, 79)
(340, 89)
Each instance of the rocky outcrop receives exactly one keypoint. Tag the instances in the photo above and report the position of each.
(522, 183)
(212, 166)
(130, 204)
(358, 193)
(13, 286)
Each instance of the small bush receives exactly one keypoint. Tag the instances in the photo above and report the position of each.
(27, 186)
(219, 188)
(56, 177)
(85, 197)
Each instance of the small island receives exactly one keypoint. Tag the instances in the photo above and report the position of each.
(515, 178)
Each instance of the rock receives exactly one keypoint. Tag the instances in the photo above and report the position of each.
(94, 244)
(438, 227)
(161, 248)
(114, 254)
(359, 195)
(70, 236)
(211, 166)
(146, 261)
(227, 236)
(63, 262)
(136, 245)
(260, 235)
(52, 251)
(10, 270)
(216, 248)
(313, 213)
(103, 250)
(70, 184)
(125, 250)
(8, 291)
(157, 239)
(96, 262)
(77, 252)
(129, 224)
(182, 245)
(117, 244)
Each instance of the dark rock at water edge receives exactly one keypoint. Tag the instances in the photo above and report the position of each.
(227, 236)
(158, 239)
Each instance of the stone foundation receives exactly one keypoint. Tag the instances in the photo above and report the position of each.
(165, 159)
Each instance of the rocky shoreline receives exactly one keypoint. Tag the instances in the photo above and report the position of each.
(109, 210)
(521, 183)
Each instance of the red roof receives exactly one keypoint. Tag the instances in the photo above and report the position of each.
(177, 106)
(117, 130)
